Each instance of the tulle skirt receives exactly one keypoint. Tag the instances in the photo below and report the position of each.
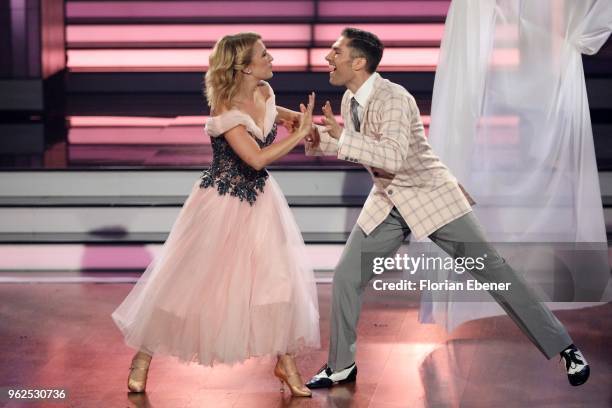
(231, 282)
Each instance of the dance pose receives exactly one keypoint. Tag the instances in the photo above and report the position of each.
(413, 193)
(232, 280)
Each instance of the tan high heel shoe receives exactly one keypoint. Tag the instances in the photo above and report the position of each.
(137, 380)
(287, 372)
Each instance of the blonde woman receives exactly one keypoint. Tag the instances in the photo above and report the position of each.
(232, 280)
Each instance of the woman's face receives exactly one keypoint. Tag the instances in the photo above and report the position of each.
(261, 63)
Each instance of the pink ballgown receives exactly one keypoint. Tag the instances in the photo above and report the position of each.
(232, 280)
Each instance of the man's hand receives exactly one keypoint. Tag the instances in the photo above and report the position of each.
(329, 121)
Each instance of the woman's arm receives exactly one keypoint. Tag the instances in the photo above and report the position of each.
(250, 152)
(287, 115)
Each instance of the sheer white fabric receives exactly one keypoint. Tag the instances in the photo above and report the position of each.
(510, 118)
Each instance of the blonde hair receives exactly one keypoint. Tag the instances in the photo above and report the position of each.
(231, 55)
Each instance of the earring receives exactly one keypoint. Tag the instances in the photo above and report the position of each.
(248, 71)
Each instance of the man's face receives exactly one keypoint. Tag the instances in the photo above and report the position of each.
(340, 62)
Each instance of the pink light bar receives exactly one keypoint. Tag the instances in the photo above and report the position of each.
(383, 8)
(506, 35)
(182, 60)
(187, 9)
(70, 257)
(137, 135)
(497, 121)
(388, 33)
(394, 59)
(180, 33)
(499, 130)
(138, 121)
(217, 9)
(409, 59)
(73, 256)
(168, 59)
(506, 58)
(125, 34)
(142, 130)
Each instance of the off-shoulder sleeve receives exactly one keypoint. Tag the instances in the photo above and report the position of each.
(218, 125)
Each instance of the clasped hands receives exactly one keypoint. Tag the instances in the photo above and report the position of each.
(328, 121)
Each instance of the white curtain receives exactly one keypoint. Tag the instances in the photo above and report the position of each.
(510, 118)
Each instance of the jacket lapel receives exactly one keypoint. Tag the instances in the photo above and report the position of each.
(365, 125)
(346, 109)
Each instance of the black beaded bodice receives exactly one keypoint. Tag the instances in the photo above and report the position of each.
(231, 175)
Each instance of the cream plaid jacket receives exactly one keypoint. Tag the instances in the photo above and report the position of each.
(406, 173)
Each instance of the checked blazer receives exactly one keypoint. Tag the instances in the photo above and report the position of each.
(392, 146)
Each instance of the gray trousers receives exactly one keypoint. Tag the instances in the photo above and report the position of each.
(462, 237)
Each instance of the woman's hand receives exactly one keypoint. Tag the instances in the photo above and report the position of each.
(306, 120)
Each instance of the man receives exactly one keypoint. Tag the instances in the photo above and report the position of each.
(413, 193)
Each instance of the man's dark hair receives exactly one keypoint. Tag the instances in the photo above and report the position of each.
(365, 44)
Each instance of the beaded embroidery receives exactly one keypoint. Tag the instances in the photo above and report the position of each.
(231, 175)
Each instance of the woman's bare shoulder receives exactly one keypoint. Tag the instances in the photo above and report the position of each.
(265, 89)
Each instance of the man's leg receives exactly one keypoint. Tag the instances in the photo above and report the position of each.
(350, 279)
(464, 237)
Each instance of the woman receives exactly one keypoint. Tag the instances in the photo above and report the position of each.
(232, 280)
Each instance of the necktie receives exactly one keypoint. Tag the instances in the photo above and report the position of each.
(355, 114)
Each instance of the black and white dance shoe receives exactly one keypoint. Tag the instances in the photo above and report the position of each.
(576, 365)
(326, 378)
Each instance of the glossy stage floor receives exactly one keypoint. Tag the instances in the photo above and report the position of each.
(61, 336)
